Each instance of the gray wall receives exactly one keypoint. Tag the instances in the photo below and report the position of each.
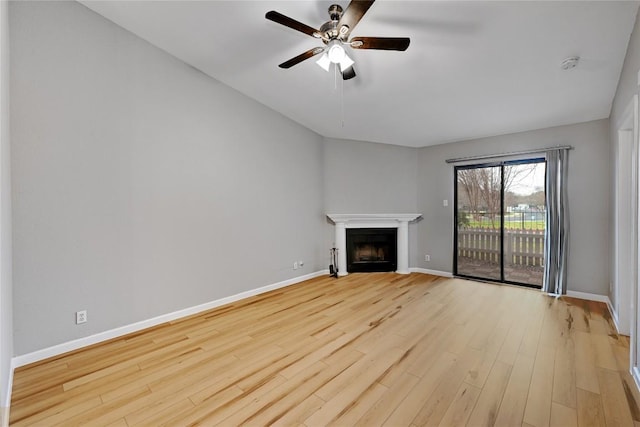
(364, 177)
(140, 185)
(6, 309)
(588, 269)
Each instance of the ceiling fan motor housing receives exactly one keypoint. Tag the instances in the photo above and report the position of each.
(330, 28)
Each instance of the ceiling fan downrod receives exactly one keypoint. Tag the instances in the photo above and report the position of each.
(335, 12)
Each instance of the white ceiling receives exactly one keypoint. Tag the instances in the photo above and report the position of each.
(473, 69)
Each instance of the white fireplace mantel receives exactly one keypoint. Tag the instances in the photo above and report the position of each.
(399, 221)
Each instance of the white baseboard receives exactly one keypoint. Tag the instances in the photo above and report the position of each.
(588, 296)
(59, 349)
(614, 315)
(433, 272)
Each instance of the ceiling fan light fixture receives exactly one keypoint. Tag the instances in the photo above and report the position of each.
(324, 61)
(335, 52)
(346, 62)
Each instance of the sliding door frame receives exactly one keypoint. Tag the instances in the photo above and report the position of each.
(501, 165)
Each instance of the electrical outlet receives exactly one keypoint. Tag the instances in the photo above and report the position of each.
(427, 257)
(81, 317)
(295, 265)
(445, 203)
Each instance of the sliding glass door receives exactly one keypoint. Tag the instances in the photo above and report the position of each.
(479, 221)
(500, 221)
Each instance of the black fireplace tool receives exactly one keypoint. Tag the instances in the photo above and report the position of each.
(333, 267)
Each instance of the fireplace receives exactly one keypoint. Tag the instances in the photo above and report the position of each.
(371, 249)
(398, 222)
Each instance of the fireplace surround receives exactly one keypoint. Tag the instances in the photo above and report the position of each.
(398, 221)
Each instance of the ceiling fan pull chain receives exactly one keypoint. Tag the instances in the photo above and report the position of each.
(342, 101)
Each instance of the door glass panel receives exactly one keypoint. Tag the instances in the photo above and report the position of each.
(478, 222)
(524, 223)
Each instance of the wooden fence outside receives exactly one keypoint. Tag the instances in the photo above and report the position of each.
(521, 247)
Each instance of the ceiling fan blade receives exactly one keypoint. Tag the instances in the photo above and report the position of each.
(381, 43)
(298, 59)
(349, 73)
(291, 23)
(352, 15)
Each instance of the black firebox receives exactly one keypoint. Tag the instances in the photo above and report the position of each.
(371, 249)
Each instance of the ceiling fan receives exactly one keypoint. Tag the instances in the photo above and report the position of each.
(335, 35)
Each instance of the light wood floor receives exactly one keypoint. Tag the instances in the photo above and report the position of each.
(367, 349)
